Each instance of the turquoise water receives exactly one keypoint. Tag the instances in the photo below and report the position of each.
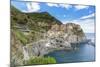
(84, 53)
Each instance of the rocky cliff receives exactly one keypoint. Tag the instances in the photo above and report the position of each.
(27, 28)
(70, 32)
(58, 37)
(36, 34)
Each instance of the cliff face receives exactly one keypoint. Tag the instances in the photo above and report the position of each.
(28, 28)
(70, 32)
(57, 38)
(36, 34)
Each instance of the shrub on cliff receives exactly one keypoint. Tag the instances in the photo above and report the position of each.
(41, 60)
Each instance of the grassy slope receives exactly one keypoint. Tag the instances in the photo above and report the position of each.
(35, 22)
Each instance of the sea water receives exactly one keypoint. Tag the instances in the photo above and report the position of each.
(85, 53)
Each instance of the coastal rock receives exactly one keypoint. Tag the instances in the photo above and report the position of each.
(58, 37)
(37, 34)
(70, 32)
(43, 47)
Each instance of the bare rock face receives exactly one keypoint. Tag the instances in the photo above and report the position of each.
(70, 32)
(57, 38)
(42, 47)
(36, 34)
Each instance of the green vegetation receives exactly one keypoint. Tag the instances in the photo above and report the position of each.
(23, 39)
(41, 60)
(29, 27)
(35, 24)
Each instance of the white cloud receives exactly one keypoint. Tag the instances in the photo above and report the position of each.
(59, 5)
(85, 2)
(52, 5)
(78, 7)
(86, 22)
(32, 7)
(88, 25)
(88, 16)
(65, 6)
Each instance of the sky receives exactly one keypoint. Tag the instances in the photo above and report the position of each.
(66, 13)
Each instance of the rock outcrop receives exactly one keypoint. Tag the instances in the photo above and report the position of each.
(37, 34)
(58, 37)
(70, 32)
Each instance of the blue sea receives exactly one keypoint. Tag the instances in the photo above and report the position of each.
(85, 53)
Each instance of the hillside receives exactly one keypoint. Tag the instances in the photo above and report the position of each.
(35, 34)
(27, 28)
(32, 22)
(35, 19)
